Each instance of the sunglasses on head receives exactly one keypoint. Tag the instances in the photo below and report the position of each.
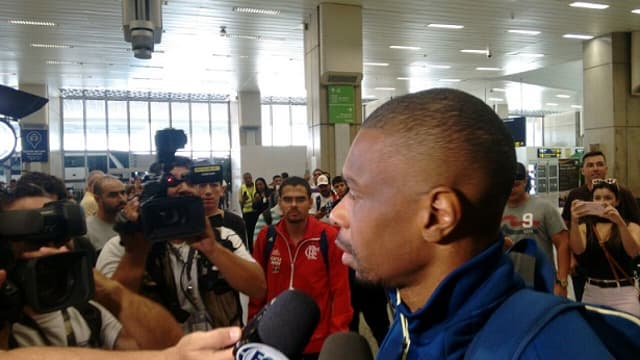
(610, 181)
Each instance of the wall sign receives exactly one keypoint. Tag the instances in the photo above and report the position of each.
(35, 145)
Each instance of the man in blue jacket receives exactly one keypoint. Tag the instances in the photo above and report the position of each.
(448, 165)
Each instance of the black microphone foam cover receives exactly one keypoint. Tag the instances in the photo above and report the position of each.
(285, 324)
(347, 346)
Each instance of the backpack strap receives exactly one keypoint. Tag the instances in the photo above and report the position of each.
(268, 247)
(503, 338)
(324, 249)
(93, 318)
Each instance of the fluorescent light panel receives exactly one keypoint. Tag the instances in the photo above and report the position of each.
(563, 96)
(440, 66)
(61, 62)
(488, 69)
(450, 80)
(31, 22)
(259, 11)
(386, 88)
(533, 55)
(375, 64)
(636, 11)
(474, 51)
(51, 46)
(524, 32)
(446, 26)
(589, 5)
(576, 106)
(552, 104)
(498, 90)
(577, 36)
(496, 99)
(403, 78)
(404, 47)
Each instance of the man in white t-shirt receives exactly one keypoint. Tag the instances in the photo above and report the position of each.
(117, 319)
(110, 197)
(320, 199)
(198, 282)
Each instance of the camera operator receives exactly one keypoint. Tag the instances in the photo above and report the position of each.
(197, 280)
(117, 319)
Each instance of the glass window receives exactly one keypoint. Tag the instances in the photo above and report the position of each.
(140, 130)
(266, 126)
(200, 126)
(180, 120)
(96, 125)
(159, 119)
(118, 127)
(220, 127)
(73, 128)
(299, 127)
(281, 125)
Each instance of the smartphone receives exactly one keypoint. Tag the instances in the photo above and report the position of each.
(593, 208)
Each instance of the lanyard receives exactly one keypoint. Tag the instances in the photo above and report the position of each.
(406, 339)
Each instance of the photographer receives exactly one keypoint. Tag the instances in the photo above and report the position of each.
(117, 319)
(605, 241)
(196, 279)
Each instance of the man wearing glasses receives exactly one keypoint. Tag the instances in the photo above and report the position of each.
(594, 167)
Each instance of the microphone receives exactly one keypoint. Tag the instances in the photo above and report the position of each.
(281, 330)
(345, 345)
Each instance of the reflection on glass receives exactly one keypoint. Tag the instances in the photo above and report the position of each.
(200, 127)
(73, 126)
(220, 127)
(159, 119)
(118, 128)
(281, 125)
(180, 120)
(140, 130)
(96, 125)
(266, 126)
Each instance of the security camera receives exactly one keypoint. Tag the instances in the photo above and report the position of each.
(223, 31)
(142, 25)
(489, 53)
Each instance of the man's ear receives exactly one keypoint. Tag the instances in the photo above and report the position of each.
(440, 213)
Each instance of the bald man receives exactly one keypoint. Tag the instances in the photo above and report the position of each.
(447, 163)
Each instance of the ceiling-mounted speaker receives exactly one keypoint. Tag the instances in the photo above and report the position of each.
(340, 34)
(142, 25)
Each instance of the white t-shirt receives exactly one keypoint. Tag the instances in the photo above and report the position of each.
(318, 202)
(112, 252)
(52, 325)
(99, 231)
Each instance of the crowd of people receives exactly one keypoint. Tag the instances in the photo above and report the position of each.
(428, 245)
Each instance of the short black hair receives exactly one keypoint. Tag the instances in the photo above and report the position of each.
(592, 154)
(284, 175)
(295, 181)
(337, 179)
(276, 176)
(37, 183)
(181, 161)
(97, 187)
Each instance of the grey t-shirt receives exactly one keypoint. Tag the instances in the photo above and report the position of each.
(536, 219)
(99, 231)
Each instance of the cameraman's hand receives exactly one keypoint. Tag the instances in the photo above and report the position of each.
(207, 243)
(132, 210)
(43, 251)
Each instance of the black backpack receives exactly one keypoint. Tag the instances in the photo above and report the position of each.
(271, 238)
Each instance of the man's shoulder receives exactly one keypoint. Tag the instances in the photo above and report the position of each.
(232, 216)
(579, 193)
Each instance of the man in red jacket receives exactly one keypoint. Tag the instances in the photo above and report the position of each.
(296, 260)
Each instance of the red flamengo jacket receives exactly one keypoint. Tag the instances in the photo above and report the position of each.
(301, 267)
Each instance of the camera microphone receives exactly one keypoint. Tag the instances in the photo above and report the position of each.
(281, 330)
(345, 345)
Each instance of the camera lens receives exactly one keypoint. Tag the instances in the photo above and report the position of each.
(54, 281)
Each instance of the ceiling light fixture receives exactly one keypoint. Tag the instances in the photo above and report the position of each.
(440, 66)
(588, 5)
(446, 26)
(62, 62)
(414, 48)
(403, 78)
(474, 51)
(258, 11)
(576, 106)
(450, 80)
(495, 99)
(563, 96)
(488, 69)
(51, 46)
(524, 32)
(636, 11)
(386, 88)
(577, 36)
(375, 64)
(552, 104)
(532, 55)
(30, 22)
(498, 90)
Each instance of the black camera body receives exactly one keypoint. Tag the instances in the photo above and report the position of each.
(46, 283)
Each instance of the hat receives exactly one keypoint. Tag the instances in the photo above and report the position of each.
(521, 172)
(323, 180)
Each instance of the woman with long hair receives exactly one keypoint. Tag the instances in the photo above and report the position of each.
(262, 198)
(605, 243)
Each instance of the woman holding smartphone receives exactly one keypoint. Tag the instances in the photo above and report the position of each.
(605, 243)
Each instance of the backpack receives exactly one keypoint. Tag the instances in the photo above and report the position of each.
(91, 315)
(271, 238)
(503, 338)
